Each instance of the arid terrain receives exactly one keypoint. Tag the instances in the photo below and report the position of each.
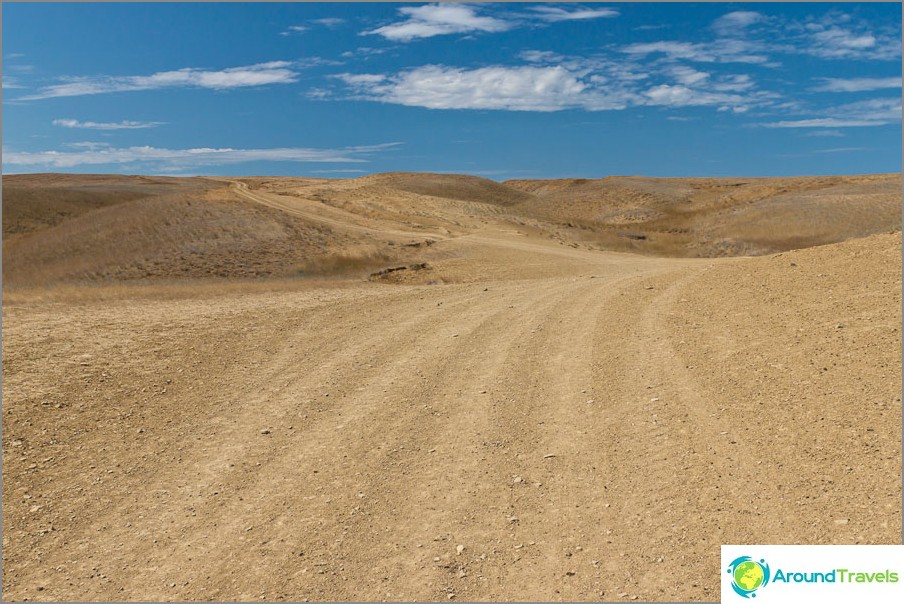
(439, 387)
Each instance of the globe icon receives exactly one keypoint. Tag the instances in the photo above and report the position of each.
(748, 575)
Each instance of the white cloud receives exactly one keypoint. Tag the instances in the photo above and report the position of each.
(273, 72)
(525, 88)
(857, 84)
(735, 22)
(839, 37)
(294, 29)
(833, 133)
(541, 56)
(719, 51)
(825, 122)
(888, 109)
(123, 125)
(555, 14)
(871, 112)
(751, 37)
(684, 96)
(551, 88)
(436, 20)
(687, 75)
(329, 21)
(11, 83)
(840, 150)
(836, 43)
(100, 154)
(734, 83)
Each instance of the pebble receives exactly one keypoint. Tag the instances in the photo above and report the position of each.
(513, 519)
(459, 549)
(549, 455)
(517, 480)
(265, 431)
(841, 521)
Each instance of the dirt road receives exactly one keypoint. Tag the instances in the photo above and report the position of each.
(562, 424)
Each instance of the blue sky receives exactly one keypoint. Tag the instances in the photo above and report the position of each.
(535, 90)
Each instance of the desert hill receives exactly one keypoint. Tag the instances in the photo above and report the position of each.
(717, 216)
(101, 228)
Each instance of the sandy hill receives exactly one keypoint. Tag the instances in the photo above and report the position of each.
(716, 216)
(450, 186)
(101, 228)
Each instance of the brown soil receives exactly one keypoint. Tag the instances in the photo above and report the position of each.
(522, 417)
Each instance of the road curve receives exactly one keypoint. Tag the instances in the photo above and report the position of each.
(541, 437)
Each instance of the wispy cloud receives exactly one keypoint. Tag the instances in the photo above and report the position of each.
(123, 125)
(11, 83)
(99, 154)
(857, 84)
(294, 29)
(867, 113)
(718, 51)
(751, 37)
(846, 40)
(825, 122)
(329, 21)
(734, 22)
(840, 150)
(684, 96)
(825, 133)
(870, 112)
(260, 74)
(429, 20)
(438, 19)
(578, 13)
